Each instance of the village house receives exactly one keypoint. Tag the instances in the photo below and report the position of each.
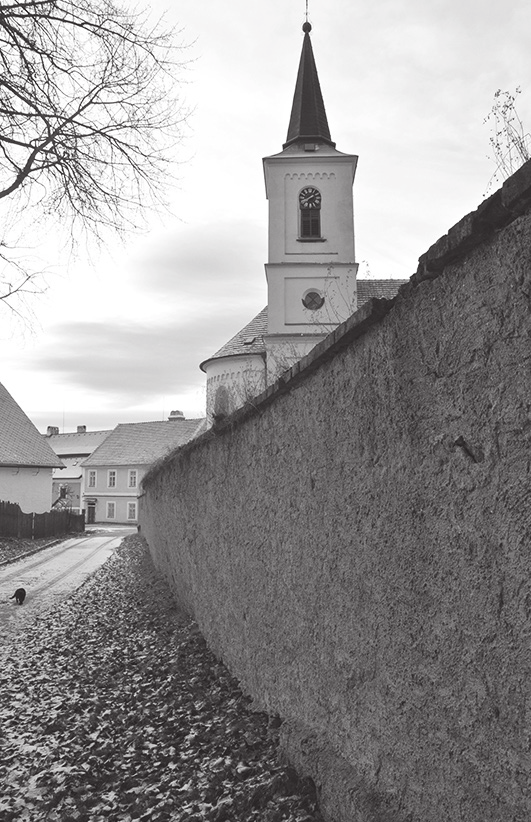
(72, 448)
(26, 459)
(113, 473)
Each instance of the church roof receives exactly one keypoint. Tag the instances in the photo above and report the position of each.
(308, 122)
(250, 340)
(20, 442)
(367, 289)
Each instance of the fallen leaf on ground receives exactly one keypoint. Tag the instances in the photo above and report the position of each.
(112, 708)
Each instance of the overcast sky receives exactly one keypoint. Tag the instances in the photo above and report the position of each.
(406, 84)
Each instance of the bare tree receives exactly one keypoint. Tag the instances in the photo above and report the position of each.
(509, 141)
(89, 115)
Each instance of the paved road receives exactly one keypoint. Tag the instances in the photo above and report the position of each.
(51, 575)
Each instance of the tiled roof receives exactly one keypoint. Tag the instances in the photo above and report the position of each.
(377, 288)
(141, 443)
(20, 441)
(81, 443)
(72, 470)
(250, 340)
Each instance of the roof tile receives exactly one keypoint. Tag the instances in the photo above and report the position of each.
(20, 441)
(367, 289)
(241, 343)
(81, 443)
(141, 443)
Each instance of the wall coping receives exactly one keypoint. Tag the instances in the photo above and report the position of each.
(503, 207)
(496, 212)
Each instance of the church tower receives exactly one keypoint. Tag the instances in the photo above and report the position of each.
(311, 268)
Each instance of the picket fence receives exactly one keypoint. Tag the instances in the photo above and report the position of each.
(15, 523)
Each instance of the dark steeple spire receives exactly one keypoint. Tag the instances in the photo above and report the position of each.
(308, 121)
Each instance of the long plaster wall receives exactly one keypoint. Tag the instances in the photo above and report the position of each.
(357, 547)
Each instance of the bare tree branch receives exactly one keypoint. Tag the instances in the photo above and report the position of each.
(90, 114)
(509, 141)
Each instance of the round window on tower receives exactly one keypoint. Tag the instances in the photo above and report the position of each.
(313, 300)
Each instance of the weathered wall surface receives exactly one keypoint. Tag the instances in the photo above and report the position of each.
(357, 547)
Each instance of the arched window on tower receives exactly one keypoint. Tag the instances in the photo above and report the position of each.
(310, 213)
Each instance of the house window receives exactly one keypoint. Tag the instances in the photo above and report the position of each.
(310, 213)
(131, 510)
(91, 479)
(132, 479)
(111, 510)
(112, 479)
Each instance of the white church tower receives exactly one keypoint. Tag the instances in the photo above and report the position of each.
(311, 268)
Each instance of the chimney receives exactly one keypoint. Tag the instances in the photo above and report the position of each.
(176, 415)
(51, 430)
(82, 429)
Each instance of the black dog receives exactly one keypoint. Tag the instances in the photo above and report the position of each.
(19, 596)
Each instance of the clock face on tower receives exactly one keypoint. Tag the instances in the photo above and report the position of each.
(310, 198)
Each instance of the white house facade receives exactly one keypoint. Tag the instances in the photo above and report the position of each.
(113, 473)
(111, 493)
(29, 487)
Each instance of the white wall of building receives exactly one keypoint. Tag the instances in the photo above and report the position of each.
(298, 265)
(241, 377)
(31, 488)
(288, 286)
(113, 491)
(332, 173)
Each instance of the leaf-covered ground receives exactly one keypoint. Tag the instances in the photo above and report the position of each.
(12, 548)
(112, 708)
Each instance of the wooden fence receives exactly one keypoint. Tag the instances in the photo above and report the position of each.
(14, 523)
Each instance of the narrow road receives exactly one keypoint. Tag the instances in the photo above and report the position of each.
(51, 575)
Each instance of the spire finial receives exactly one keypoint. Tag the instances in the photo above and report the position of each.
(306, 26)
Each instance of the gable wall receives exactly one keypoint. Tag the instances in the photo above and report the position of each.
(356, 548)
(31, 488)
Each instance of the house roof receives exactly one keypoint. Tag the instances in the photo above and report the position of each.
(79, 443)
(250, 340)
(20, 441)
(308, 122)
(72, 471)
(141, 443)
